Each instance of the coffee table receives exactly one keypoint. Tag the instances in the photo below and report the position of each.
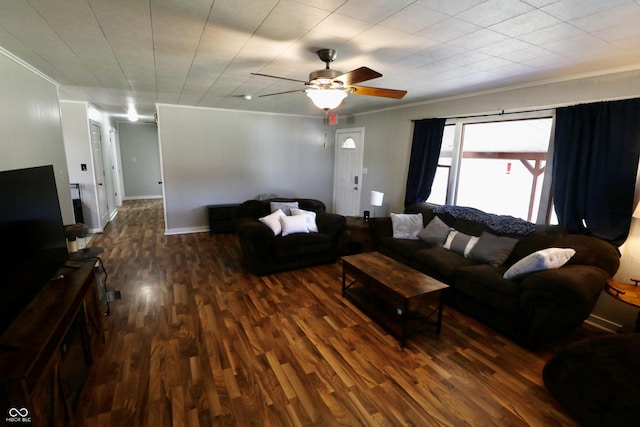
(396, 296)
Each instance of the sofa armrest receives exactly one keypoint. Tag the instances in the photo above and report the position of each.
(568, 285)
(331, 224)
(380, 227)
(557, 301)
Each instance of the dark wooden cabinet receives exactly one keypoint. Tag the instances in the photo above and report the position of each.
(46, 354)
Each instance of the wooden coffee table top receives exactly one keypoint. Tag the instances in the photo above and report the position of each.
(402, 279)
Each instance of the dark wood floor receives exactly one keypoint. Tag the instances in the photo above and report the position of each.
(198, 341)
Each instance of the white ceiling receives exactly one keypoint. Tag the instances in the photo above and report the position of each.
(201, 52)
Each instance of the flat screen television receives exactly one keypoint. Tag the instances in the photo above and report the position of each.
(32, 240)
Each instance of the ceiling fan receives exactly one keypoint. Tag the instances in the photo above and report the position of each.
(328, 88)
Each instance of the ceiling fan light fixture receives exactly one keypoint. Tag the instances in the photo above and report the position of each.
(326, 99)
(132, 114)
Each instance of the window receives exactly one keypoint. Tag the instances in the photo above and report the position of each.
(495, 166)
(443, 172)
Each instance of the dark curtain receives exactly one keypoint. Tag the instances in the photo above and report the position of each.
(425, 151)
(595, 161)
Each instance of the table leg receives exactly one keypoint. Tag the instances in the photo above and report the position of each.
(439, 321)
(344, 281)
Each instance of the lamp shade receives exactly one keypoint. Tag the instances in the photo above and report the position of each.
(376, 198)
(327, 99)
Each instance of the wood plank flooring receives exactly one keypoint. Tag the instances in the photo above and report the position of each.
(198, 341)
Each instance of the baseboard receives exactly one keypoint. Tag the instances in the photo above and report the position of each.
(188, 230)
(602, 323)
(143, 197)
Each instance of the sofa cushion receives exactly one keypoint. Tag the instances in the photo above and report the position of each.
(312, 226)
(492, 249)
(273, 221)
(301, 244)
(406, 226)
(543, 259)
(293, 224)
(435, 232)
(403, 247)
(439, 262)
(486, 283)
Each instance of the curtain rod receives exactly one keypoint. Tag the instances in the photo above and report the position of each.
(499, 113)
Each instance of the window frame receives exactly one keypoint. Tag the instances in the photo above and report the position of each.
(543, 214)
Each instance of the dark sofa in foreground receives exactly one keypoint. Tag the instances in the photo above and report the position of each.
(531, 309)
(265, 253)
(597, 380)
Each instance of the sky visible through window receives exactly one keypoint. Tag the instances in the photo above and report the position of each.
(501, 169)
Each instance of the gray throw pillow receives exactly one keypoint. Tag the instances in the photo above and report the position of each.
(435, 232)
(492, 249)
(284, 206)
(460, 243)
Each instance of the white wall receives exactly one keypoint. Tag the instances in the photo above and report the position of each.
(77, 139)
(140, 159)
(30, 128)
(108, 156)
(388, 146)
(212, 156)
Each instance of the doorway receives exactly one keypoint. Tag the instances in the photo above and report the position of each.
(98, 167)
(347, 187)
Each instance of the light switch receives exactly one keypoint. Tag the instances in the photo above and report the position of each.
(83, 166)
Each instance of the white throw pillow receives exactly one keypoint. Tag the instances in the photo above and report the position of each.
(311, 218)
(273, 221)
(293, 224)
(406, 226)
(541, 260)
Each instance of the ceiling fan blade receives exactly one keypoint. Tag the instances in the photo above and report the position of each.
(278, 77)
(281, 93)
(358, 75)
(378, 91)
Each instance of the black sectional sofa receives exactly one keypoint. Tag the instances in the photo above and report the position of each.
(265, 253)
(532, 309)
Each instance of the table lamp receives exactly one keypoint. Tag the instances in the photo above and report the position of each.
(376, 200)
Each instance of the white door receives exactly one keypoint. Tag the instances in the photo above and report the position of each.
(98, 167)
(347, 179)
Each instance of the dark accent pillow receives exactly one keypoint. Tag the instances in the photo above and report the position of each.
(435, 232)
(492, 249)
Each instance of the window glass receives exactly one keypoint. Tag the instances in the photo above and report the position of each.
(441, 180)
(502, 166)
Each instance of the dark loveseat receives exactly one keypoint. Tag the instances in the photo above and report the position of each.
(533, 309)
(265, 253)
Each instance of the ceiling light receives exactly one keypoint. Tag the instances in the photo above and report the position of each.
(132, 114)
(327, 99)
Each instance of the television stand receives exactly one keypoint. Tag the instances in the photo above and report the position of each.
(53, 344)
